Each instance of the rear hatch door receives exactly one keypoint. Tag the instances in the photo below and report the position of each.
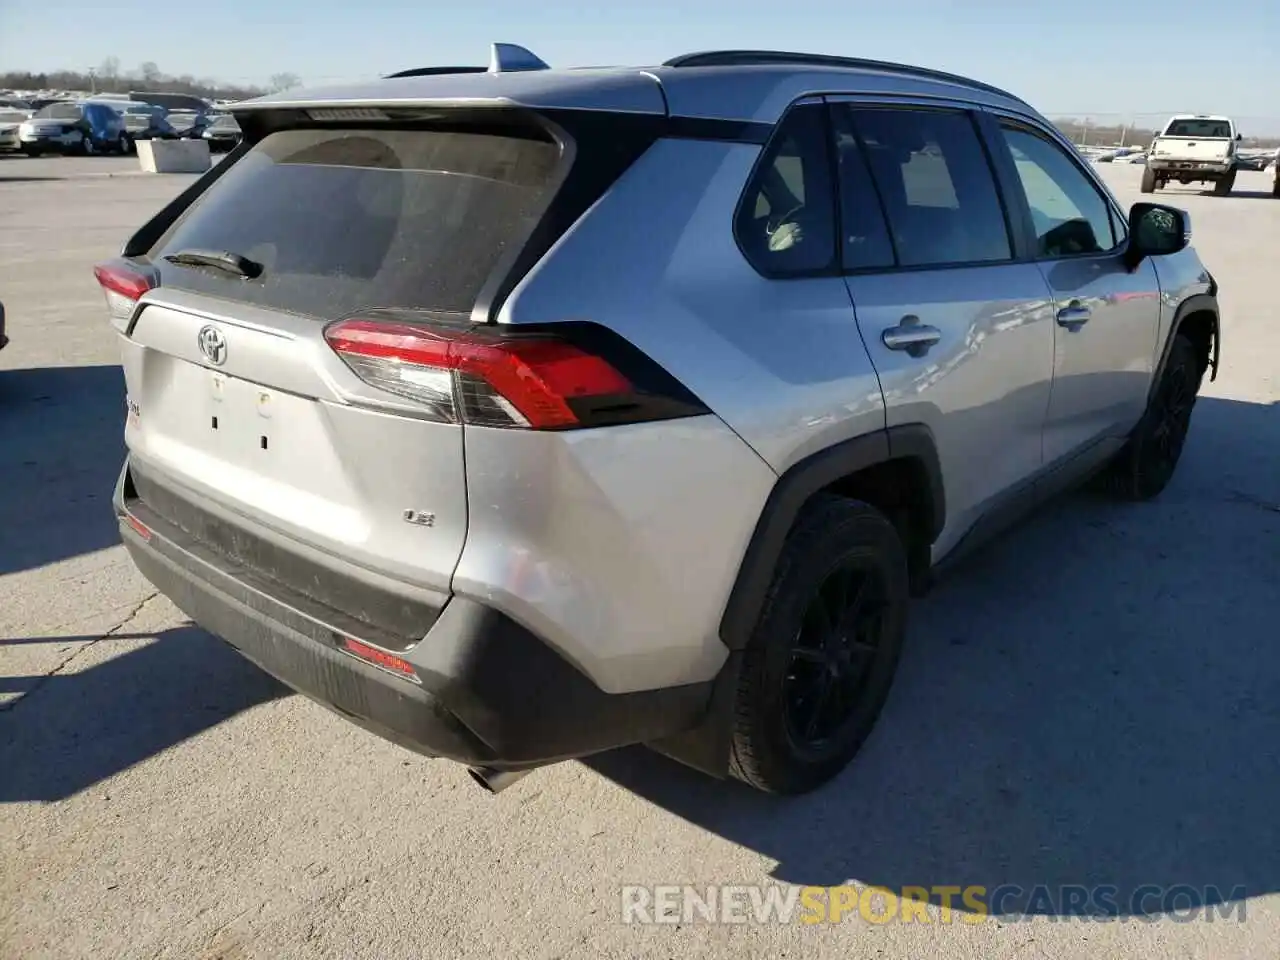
(236, 399)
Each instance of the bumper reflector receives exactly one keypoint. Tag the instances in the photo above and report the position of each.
(379, 658)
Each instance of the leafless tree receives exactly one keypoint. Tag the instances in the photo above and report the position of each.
(284, 81)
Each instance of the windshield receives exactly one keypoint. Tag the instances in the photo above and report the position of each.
(1205, 129)
(60, 111)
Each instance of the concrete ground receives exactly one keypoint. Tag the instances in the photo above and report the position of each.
(1091, 701)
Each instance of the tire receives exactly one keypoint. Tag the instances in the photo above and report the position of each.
(31, 150)
(124, 145)
(1145, 466)
(1148, 180)
(1223, 187)
(1275, 188)
(803, 706)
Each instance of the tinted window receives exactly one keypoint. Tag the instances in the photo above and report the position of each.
(1208, 129)
(865, 235)
(1070, 216)
(786, 223)
(936, 185)
(352, 219)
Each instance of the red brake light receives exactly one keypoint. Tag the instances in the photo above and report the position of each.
(509, 382)
(122, 286)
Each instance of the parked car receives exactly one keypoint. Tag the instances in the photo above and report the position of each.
(1194, 149)
(222, 133)
(10, 120)
(74, 127)
(425, 425)
(189, 124)
(146, 121)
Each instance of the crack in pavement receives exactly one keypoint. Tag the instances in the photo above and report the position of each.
(66, 661)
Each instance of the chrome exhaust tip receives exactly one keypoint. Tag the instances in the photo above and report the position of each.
(495, 781)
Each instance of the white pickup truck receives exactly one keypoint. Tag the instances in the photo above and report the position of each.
(1193, 149)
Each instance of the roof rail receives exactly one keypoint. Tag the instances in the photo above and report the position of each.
(432, 71)
(746, 58)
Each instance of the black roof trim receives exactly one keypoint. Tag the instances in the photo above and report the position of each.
(433, 71)
(746, 58)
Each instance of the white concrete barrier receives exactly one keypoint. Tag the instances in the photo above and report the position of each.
(173, 156)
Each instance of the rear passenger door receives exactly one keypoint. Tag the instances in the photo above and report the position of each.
(1107, 317)
(960, 333)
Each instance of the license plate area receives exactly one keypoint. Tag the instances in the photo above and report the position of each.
(241, 418)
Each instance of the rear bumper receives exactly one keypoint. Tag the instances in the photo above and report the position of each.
(487, 690)
(1189, 168)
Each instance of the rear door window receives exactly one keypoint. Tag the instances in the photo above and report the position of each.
(936, 184)
(344, 220)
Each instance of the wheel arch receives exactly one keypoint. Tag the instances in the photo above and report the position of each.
(906, 453)
(1197, 318)
(861, 467)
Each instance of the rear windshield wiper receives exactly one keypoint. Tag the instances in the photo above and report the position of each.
(219, 260)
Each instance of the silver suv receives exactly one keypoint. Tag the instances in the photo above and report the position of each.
(518, 414)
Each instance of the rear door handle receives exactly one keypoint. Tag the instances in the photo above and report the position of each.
(1073, 315)
(912, 336)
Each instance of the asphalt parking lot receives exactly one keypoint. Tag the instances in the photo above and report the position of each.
(1091, 701)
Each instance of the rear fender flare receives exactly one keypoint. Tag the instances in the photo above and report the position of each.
(706, 746)
(792, 492)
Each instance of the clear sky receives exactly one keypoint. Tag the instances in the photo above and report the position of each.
(1105, 58)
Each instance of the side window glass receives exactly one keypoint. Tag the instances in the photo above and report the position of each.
(936, 184)
(865, 241)
(1068, 213)
(1119, 228)
(786, 222)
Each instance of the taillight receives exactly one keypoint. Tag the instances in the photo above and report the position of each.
(122, 286)
(482, 377)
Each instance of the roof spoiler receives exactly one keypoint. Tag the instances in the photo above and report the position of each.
(503, 58)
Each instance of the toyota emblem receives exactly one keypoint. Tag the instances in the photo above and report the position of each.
(213, 345)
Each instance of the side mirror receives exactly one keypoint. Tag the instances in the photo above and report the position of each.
(1156, 230)
(1239, 136)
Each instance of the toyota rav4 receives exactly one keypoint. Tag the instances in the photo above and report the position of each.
(518, 414)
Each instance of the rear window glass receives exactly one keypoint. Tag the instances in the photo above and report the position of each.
(345, 220)
(1210, 129)
(60, 111)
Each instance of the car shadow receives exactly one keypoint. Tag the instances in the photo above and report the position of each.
(62, 433)
(1092, 700)
(1242, 194)
(73, 730)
